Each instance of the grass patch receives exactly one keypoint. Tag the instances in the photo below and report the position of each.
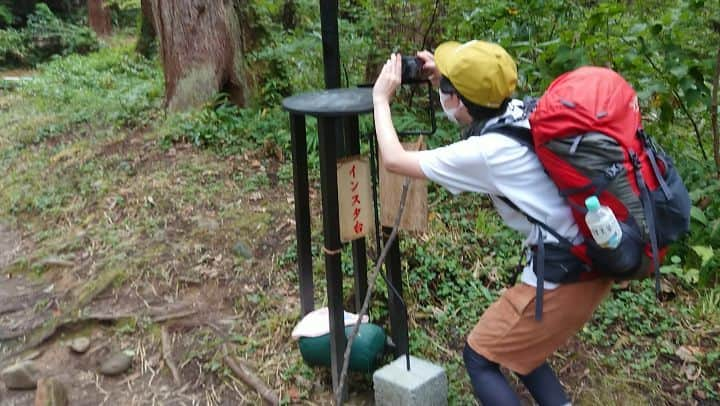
(78, 95)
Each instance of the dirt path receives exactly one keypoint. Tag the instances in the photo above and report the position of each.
(9, 245)
(27, 304)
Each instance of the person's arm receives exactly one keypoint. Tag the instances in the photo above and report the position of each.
(394, 157)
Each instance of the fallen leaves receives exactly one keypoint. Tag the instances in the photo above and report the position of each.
(690, 356)
(689, 353)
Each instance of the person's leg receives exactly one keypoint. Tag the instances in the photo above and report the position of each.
(489, 384)
(507, 332)
(509, 335)
(545, 386)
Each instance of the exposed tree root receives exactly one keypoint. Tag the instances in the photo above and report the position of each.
(167, 355)
(245, 374)
(39, 331)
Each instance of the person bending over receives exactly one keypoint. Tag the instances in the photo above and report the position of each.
(476, 81)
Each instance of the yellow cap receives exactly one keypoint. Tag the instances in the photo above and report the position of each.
(482, 72)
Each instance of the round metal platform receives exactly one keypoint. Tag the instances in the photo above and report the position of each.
(331, 103)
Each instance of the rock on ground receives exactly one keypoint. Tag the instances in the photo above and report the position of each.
(23, 375)
(80, 344)
(116, 363)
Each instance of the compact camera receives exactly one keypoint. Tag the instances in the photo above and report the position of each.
(411, 69)
(411, 74)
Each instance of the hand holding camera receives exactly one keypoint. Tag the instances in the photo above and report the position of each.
(430, 70)
(389, 79)
(419, 68)
(411, 70)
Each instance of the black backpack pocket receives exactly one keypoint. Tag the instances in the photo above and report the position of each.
(626, 260)
(561, 265)
(672, 210)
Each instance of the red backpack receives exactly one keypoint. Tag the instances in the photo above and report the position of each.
(586, 130)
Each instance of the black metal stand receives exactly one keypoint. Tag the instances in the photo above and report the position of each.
(337, 111)
(302, 211)
(396, 307)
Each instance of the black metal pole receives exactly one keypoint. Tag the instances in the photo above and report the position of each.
(331, 42)
(396, 308)
(331, 231)
(331, 56)
(352, 135)
(298, 136)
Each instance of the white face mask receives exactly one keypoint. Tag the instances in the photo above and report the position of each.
(449, 112)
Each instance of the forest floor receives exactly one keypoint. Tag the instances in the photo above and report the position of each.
(203, 267)
(184, 258)
(193, 280)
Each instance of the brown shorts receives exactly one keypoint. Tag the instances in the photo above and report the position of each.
(508, 333)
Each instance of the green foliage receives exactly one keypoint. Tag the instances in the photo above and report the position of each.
(52, 36)
(644, 332)
(6, 16)
(124, 13)
(287, 58)
(696, 256)
(708, 306)
(44, 36)
(12, 47)
(112, 87)
(228, 129)
(635, 311)
(123, 4)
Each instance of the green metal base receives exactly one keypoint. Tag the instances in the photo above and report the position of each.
(367, 350)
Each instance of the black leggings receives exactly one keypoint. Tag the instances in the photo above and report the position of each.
(491, 387)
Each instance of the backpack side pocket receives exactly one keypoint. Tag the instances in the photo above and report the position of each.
(561, 265)
(672, 212)
(626, 260)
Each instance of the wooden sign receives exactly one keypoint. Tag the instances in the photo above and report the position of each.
(415, 215)
(354, 198)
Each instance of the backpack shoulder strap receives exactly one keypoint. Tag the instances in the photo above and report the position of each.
(539, 255)
(562, 240)
(520, 134)
(506, 127)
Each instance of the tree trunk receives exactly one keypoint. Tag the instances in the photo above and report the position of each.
(99, 17)
(289, 15)
(145, 44)
(201, 47)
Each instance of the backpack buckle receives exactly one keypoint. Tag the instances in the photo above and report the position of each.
(612, 171)
(634, 159)
(647, 140)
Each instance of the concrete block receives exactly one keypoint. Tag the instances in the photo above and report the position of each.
(425, 384)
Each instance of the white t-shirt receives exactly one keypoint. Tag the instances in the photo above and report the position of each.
(497, 165)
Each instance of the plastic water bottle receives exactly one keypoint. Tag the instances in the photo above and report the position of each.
(602, 223)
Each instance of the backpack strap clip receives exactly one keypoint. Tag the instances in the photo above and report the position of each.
(612, 171)
(529, 105)
(654, 153)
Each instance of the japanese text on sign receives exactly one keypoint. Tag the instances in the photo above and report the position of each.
(354, 199)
